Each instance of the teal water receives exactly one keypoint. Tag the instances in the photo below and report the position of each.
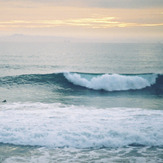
(81, 102)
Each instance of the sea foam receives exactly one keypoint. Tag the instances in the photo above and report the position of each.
(57, 125)
(111, 82)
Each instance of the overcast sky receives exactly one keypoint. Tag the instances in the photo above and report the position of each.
(97, 3)
(100, 19)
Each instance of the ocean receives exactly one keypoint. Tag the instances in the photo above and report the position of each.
(81, 102)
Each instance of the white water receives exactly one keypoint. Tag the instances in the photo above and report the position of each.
(57, 125)
(114, 82)
(105, 155)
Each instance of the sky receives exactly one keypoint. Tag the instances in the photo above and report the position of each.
(111, 20)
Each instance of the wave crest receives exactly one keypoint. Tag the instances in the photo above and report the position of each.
(111, 82)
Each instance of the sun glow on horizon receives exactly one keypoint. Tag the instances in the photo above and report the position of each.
(37, 18)
(104, 22)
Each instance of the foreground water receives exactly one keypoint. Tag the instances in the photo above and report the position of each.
(81, 102)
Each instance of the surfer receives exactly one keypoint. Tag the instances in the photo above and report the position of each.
(4, 101)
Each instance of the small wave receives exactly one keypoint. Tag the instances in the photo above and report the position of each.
(57, 125)
(113, 82)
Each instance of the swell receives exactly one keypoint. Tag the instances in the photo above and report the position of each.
(91, 81)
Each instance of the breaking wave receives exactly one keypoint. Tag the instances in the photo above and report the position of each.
(111, 82)
(107, 82)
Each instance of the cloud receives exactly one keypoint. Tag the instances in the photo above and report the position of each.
(126, 3)
(103, 22)
(96, 3)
